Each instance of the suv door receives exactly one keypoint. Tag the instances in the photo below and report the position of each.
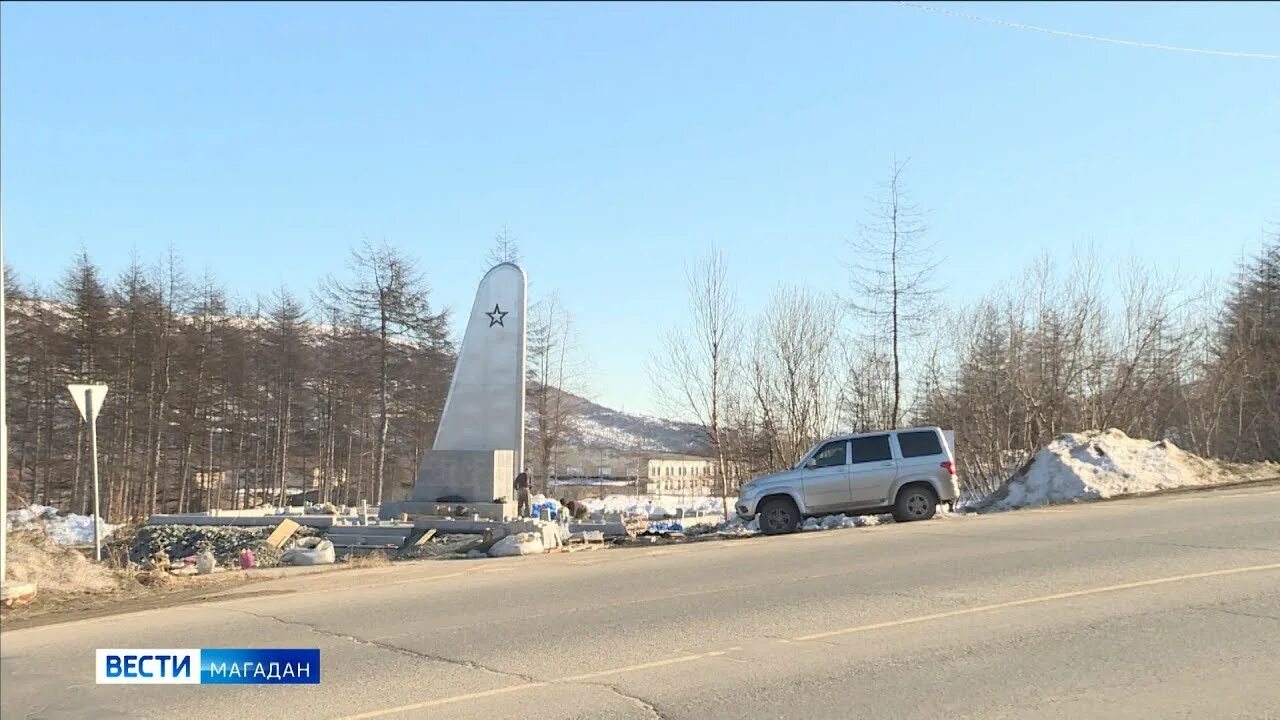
(921, 456)
(826, 484)
(872, 470)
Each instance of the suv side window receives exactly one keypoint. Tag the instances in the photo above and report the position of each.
(831, 454)
(919, 443)
(871, 449)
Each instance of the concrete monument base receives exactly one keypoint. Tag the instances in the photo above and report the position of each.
(467, 476)
(461, 483)
(461, 510)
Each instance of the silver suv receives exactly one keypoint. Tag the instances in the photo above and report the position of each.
(906, 472)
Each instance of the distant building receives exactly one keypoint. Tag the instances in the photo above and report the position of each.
(653, 473)
(679, 474)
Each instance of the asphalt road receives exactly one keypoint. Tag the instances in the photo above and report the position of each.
(1156, 607)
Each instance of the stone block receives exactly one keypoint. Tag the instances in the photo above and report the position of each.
(608, 529)
(475, 476)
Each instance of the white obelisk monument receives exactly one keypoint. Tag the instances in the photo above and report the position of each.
(485, 406)
(479, 444)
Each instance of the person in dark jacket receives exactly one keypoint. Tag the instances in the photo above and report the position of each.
(575, 509)
(523, 499)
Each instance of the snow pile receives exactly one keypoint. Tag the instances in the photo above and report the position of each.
(834, 522)
(1095, 465)
(737, 528)
(661, 505)
(69, 529)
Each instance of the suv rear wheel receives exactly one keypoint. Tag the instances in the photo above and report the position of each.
(778, 516)
(914, 502)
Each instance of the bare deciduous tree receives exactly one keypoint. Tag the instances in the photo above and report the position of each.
(554, 374)
(696, 364)
(792, 372)
(892, 270)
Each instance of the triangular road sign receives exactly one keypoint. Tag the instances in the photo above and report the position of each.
(96, 394)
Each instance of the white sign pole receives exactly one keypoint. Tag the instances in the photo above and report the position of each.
(89, 401)
(97, 494)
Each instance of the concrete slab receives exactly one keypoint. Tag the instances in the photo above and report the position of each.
(390, 529)
(610, 529)
(450, 526)
(486, 510)
(316, 521)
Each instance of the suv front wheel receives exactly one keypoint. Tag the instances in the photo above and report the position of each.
(914, 502)
(778, 516)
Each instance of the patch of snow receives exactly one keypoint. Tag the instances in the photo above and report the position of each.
(595, 426)
(68, 529)
(1096, 465)
(590, 482)
(737, 528)
(835, 522)
(651, 505)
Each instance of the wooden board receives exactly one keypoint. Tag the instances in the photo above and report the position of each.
(425, 537)
(282, 533)
(417, 538)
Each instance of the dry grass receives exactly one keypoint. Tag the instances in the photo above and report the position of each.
(33, 557)
(373, 559)
(1248, 471)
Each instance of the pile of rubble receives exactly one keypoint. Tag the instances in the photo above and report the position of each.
(226, 542)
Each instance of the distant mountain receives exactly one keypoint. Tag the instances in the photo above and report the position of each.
(596, 426)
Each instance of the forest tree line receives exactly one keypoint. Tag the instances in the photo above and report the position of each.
(1057, 349)
(338, 390)
(341, 388)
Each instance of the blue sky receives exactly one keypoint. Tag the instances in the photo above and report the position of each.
(619, 141)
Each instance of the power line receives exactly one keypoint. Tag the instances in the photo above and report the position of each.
(1095, 38)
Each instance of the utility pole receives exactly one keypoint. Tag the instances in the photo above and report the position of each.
(4, 436)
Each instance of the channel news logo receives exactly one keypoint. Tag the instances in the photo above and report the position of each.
(208, 666)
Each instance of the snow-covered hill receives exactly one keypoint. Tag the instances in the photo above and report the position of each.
(596, 426)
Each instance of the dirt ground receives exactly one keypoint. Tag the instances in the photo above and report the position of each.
(69, 582)
(70, 585)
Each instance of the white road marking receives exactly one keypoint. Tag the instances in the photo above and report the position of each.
(1036, 600)
(815, 636)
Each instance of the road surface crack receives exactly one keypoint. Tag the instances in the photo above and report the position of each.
(468, 664)
(1260, 616)
(641, 702)
(1204, 547)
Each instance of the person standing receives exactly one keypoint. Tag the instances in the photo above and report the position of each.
(523, 499)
